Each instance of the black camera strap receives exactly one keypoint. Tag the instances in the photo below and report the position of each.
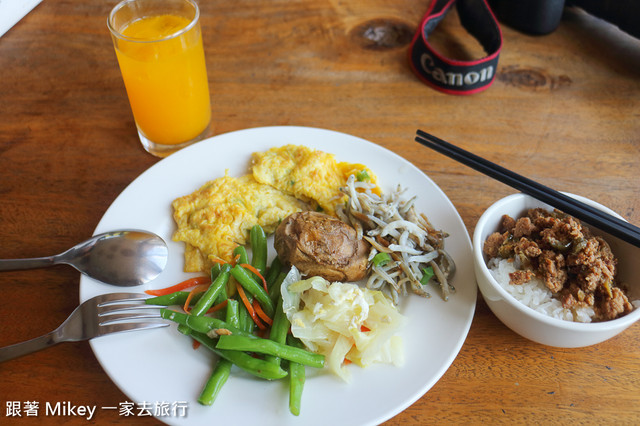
(450, 75)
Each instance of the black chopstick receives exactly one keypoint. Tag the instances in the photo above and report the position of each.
(604, 221)
(511, 178)
(504, 175)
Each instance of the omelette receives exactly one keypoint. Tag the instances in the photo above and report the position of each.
(308, 174)
(216, 218)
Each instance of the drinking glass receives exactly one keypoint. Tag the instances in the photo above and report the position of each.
(158, 44)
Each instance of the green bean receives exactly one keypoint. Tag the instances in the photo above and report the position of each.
(232, 313)
(279, 329)
(274, 289)
(215, 271)
(222, 295)
(177, 317)
(258, 249)
(255, 366)
(297, 377)
(248, 283)
(222, 369)
(240, 250)
(216, 381)
(242, 343)
(207, 324)
(201, 324)
(244, 317)
(176, 298)
(209, 297)
(274, 270)
(280, 326)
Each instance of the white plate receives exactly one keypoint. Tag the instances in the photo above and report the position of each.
(160, 367)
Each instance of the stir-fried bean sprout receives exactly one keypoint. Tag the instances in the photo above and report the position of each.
(392, 225)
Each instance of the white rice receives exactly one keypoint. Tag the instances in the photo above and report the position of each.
(535, 294)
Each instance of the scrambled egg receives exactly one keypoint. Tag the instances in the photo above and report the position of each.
(307, 174)
(217, 217)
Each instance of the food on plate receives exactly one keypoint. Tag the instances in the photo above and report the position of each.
(216, 218)
(408, 252)
(322, 245)
(407, 249)
(343, 321)
(307, 174)
(223, 322)
(311, 322)
(552, 263)
(326, 217)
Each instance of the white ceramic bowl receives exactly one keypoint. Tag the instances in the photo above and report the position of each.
(532, 324)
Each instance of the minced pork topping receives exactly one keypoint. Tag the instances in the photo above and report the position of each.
(577, 267)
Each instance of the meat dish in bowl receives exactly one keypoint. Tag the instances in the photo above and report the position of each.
(543, 313)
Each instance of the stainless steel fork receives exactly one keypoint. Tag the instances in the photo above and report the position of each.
(101, 315)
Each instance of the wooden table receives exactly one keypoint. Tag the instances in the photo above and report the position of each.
(564, 110)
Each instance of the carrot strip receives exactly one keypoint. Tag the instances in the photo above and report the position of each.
(255, 271)
(195, 344)
(247, 305)
(192, 293)
(217, 307)
(180, 286)
(261, 313)
(243, 297)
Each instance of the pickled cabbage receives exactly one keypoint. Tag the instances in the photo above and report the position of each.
(343, 322)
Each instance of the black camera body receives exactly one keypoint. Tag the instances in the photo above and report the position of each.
(529, 16)
(543, 16)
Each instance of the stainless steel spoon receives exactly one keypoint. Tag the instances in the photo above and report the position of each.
(122, 258)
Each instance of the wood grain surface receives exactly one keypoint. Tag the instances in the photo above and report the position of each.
(564, 110)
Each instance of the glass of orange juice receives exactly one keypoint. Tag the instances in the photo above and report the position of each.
(158, 44)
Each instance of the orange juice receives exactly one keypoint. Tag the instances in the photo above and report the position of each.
(165, 78)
